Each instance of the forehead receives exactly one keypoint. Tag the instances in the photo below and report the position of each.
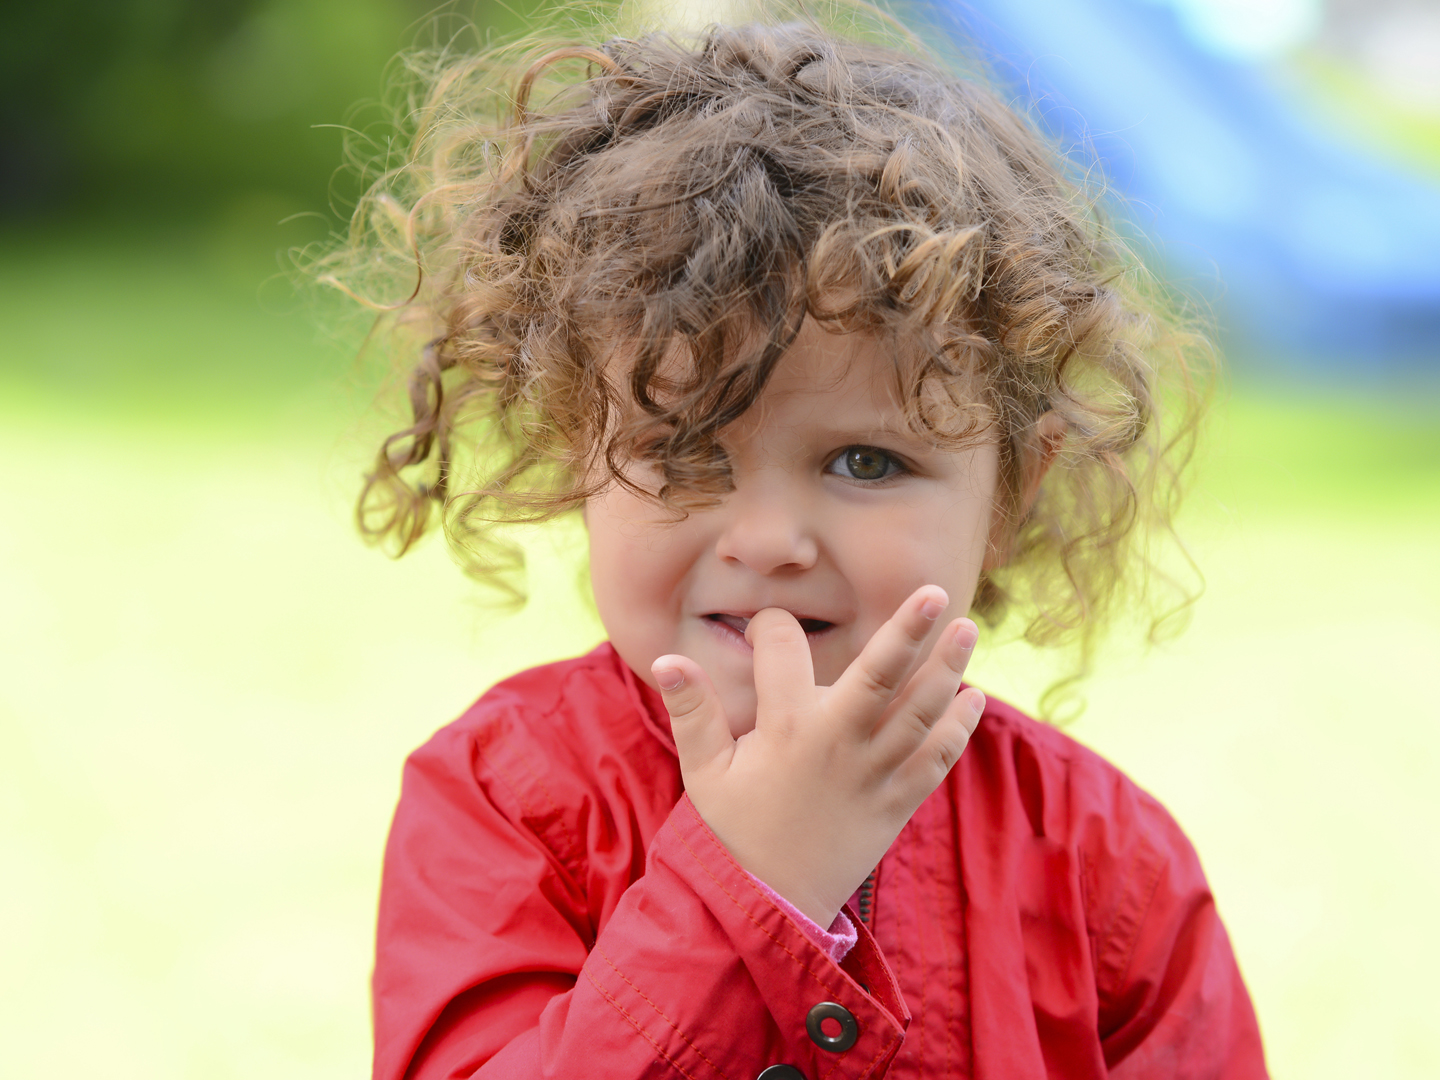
(847, 385)
(851, 382)
(829, 370)
(820, 362)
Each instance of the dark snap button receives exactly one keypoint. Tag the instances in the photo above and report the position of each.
(843, 1036)
(781, 1072)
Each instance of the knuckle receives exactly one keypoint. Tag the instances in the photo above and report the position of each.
(955, 662)
(975, 709)
(945, 745)
(877, 683)
(926, 721)
(957, 743)
(947, 752)
(775, 628)
(915, 628)
(685, 706)
(951, 750)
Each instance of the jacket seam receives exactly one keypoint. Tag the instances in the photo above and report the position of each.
(576, 846)
(563, 869)
(869, 1065)
(885, 1045)
(646, 998)
(1087, 901)
(572, 863)
(951, 995)
(1142, 912)
(660, 1050)
(747, 913)
(526, 810)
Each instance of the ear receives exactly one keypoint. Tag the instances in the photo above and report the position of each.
(1038, 451)
(1042, 446)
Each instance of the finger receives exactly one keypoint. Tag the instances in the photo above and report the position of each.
(784, 671)
(873, 677)
(932, 689)
(936, 756)
(702, 734)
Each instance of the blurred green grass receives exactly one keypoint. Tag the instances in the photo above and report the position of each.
(210, 684)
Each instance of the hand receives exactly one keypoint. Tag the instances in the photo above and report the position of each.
(811, 799)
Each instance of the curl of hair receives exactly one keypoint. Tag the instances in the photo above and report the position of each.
(696, 200)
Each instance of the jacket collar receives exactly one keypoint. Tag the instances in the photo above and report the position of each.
(647, 702)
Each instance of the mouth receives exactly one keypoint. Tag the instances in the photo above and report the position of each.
(739, 623)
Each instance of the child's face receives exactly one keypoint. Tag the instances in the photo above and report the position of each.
(838, 513)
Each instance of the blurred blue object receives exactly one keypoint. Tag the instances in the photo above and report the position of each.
(1307, 246)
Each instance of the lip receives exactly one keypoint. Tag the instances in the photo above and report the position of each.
(731, 625)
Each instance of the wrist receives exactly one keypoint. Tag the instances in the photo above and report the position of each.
(793, 862)
(835, 939)
(800, 890)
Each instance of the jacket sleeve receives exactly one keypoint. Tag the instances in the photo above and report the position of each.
(488, 965)
(1172, 1001)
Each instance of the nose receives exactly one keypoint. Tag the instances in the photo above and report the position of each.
(766, 528)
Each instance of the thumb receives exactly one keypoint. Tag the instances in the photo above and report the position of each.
(702, 734)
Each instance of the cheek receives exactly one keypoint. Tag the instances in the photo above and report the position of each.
(940, 542)
(638, 570)
(624, 570)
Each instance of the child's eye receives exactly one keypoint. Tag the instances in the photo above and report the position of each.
(865, 463)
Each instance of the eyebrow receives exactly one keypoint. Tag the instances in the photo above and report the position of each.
(861, 434)
(842, 433)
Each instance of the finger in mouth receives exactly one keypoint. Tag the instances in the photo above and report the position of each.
(739, 623)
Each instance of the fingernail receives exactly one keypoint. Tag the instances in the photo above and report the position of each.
(966, 634)
(932, 608)
(669, 678)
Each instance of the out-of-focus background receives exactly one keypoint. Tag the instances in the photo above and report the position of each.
(207, 684)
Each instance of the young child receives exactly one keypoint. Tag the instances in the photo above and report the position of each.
(828, 353)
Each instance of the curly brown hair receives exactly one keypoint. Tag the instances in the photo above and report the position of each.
(709, 193)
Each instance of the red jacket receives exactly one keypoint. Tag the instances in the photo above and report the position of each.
(553, 906)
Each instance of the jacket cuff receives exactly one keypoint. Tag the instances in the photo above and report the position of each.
(834, 943)
(753, 975)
